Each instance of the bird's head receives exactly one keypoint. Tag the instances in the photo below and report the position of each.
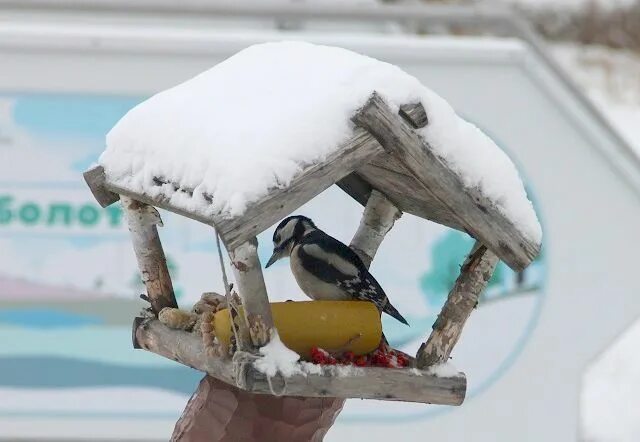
(288, 233)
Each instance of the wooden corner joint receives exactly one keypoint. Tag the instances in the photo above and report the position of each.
(96, 179)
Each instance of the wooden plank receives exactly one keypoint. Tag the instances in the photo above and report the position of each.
(474, 212)
(252, 291)
(403, 190)
(392, 384)
(142, 220)
(408, 195)
(160, 201)
(387, 175)
(387, 384)
(463, 298)
(95, 179)
(389, 162)
(379, 216)
(309, 183)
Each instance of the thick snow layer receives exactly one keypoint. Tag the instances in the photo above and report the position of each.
(277, 358)
(255, 120)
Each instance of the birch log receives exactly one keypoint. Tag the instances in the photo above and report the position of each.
(380, 383)
(463, 298)
(142, 220)
(378, 218)
(180, 346)
(252, 291)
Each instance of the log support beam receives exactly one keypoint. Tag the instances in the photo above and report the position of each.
(463, 298)
(252, 291)
(400, 384)
(142, 221)
(378, 218)
(223, 413)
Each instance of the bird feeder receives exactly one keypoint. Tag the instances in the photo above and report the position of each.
(386, 166)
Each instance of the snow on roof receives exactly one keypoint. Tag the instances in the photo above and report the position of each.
(255, 120)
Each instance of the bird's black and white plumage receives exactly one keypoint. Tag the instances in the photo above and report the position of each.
(325, 268)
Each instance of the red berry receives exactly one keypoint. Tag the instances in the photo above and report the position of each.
(318, 355)
(361, 361)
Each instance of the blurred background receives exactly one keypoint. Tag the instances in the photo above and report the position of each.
(550, 353)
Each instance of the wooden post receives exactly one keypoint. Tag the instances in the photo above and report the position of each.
(142, 220)
(378, 218)
(463, 298)
(223, 413)
(252, 291)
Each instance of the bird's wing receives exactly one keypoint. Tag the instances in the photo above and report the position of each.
(332, 261)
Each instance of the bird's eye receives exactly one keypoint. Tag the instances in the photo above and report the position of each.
(277, 239)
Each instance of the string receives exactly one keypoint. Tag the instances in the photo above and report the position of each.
(225, 281)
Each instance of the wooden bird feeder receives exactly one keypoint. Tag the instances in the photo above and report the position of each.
(387, 167)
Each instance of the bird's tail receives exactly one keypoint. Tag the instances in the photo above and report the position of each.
(391, 311)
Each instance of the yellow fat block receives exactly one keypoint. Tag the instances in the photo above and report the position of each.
(332, 325)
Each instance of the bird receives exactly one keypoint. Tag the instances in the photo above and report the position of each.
(325, 268)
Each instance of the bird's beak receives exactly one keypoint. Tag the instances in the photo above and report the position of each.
(274, 258)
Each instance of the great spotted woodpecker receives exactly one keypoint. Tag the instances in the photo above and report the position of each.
(325, 268)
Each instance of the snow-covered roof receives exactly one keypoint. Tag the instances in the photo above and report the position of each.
(217, 145)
